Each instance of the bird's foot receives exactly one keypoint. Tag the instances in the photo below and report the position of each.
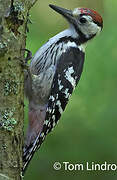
(28, 56)
(24, 63)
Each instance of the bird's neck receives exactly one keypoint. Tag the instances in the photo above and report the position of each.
(70, 34)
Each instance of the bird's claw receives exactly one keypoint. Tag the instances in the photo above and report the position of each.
(24, 63)
(28, 56)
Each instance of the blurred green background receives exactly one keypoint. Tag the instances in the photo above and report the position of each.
(87, 130)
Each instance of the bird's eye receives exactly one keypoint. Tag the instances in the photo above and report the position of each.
(83, 20)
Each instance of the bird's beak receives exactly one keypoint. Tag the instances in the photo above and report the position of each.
(66, 13)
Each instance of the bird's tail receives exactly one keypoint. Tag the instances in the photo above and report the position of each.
(29, 151)
(33, 136)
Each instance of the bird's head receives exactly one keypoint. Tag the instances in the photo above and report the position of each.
(88, 23)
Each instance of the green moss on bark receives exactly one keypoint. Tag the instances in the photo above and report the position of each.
(13, 21)
(7, 120)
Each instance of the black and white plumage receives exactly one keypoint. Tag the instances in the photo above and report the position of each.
(55, 71)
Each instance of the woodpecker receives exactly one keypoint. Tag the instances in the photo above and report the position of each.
(54, 73)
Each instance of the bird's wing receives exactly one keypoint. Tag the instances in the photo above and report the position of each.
(67, 75)
(66, 78)
(41, 57)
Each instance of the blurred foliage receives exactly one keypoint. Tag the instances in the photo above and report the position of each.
(87, 130)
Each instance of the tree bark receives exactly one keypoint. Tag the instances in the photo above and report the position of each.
(13, 23)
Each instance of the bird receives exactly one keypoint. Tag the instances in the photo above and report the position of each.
(54, 72)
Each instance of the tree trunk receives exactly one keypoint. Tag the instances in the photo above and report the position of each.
(13, 23)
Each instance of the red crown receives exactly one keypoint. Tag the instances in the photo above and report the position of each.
(95, 15)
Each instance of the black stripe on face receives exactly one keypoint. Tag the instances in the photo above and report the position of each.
(82, 38)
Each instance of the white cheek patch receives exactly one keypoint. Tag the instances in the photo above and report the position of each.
(90, 29)
(94, 28)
